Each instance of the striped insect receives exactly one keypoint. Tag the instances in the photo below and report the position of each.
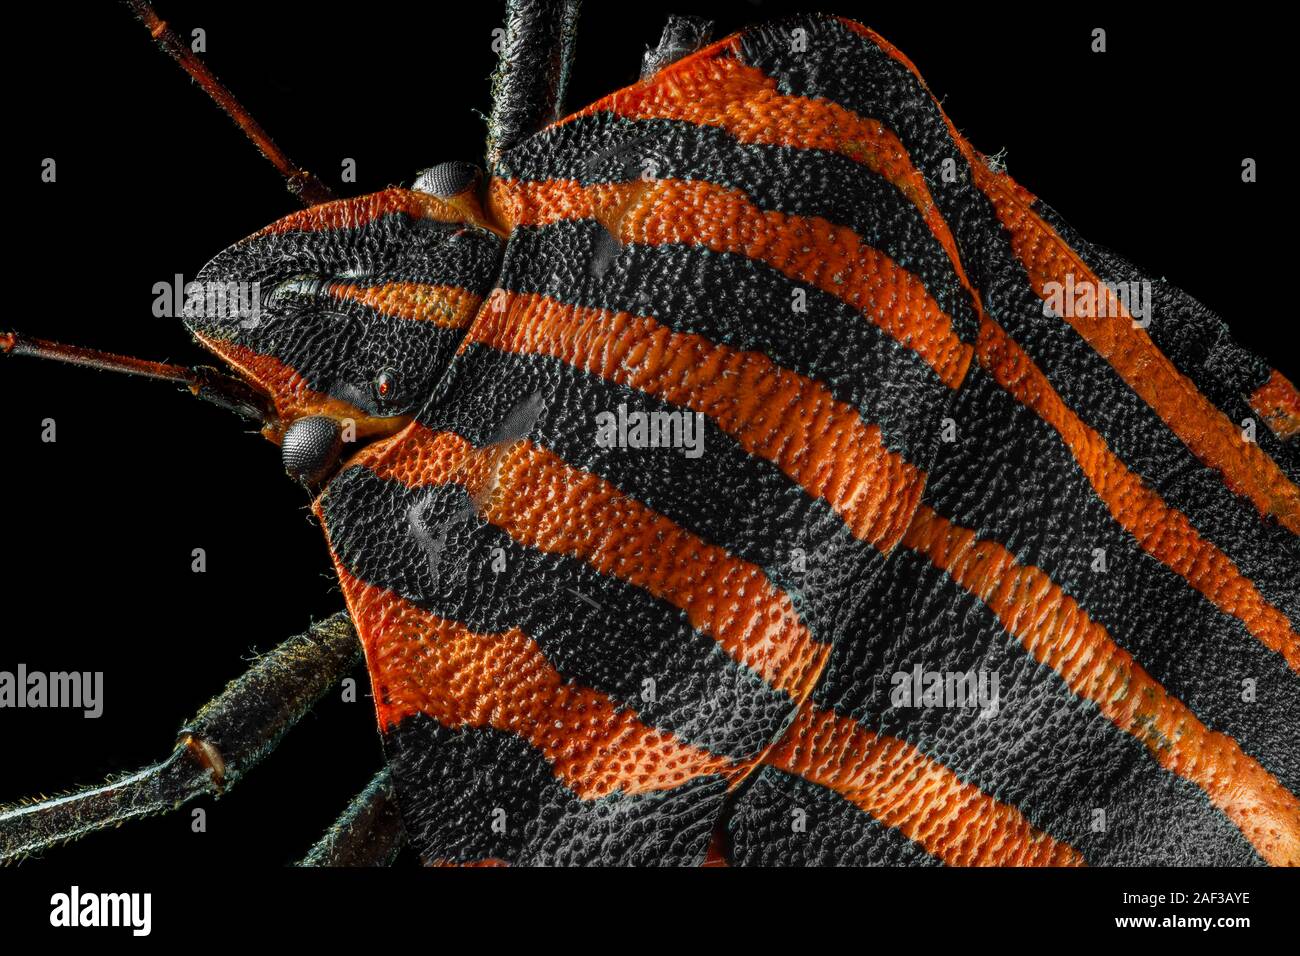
(745, 470)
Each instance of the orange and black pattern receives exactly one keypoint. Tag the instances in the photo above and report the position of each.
(592, 654)
(343, 292)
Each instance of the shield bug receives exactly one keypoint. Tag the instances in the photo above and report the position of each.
(745, 469)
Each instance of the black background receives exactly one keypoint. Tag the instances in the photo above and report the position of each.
(1139, 148)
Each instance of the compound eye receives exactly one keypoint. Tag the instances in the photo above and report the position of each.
(386, 386)
(310, 446)
(446, 179)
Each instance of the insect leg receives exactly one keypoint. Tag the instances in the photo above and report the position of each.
(229, 736)
(532, 72)
(369, 833)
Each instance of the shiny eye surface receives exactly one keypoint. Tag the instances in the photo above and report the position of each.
(386, 385)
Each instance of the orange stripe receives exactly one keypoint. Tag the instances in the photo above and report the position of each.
(1206, 431)
(724, 93)
(1161, 531)
(1209, 434)
(422, 663)
(1059, 633)
(715, 88)
(360, 210)
(906, 790)
(289, 390)
(291, 395)
(544, 503)
(449, 306)
(773, 413)
(1230, 590)
(1278, 402)
(808, 249)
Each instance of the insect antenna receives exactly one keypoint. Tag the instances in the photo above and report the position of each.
(303, 184)
(208, 384)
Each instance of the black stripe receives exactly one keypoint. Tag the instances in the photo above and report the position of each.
(340, 346)
(391, 248)
(595, 629)
(1094, 391)
(1012, 481)
(764, 827)
(604, 148)
(472, 794)
(1200, 345)
(1045, 751)
(853, 71)
(727, 497)
(1190, 335)
(744, 304)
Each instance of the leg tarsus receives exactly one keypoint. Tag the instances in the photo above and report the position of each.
(369, 833)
